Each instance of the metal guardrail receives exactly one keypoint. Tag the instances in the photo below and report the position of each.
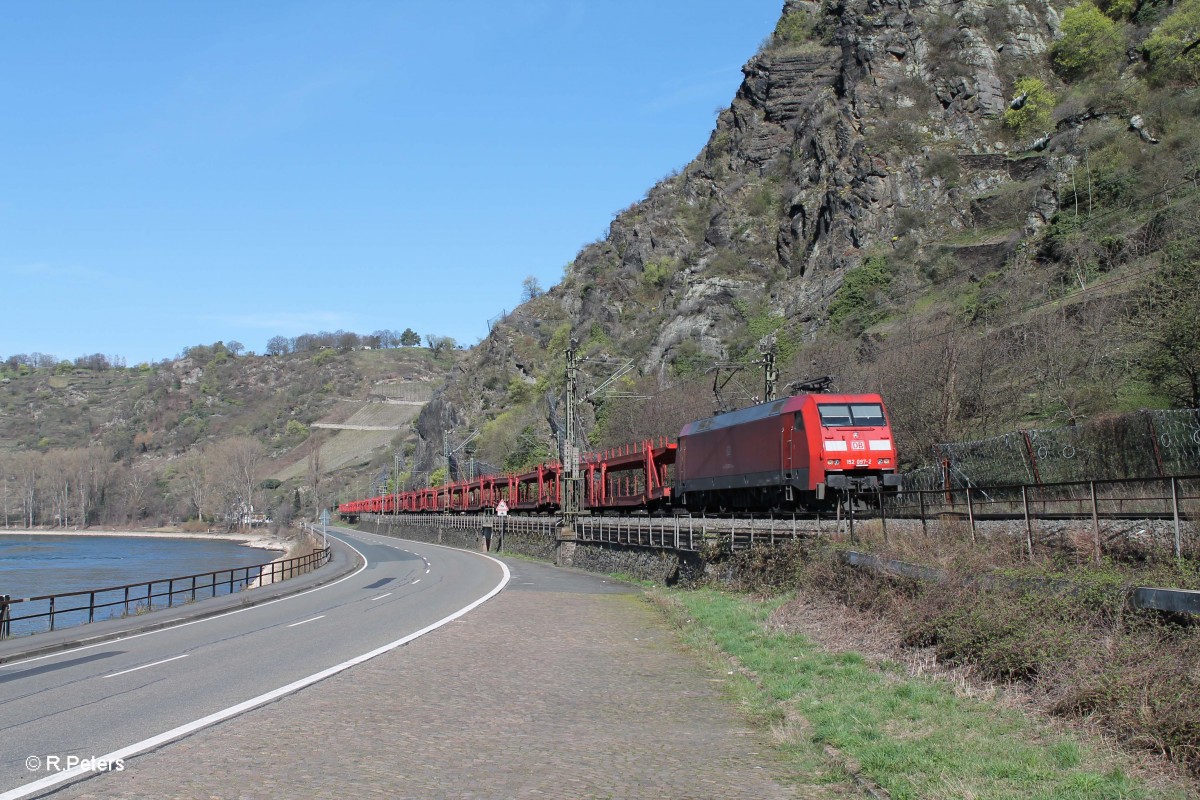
(1176, 601)
(200, 586)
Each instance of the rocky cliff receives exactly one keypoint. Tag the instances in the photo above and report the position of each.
(889, 171)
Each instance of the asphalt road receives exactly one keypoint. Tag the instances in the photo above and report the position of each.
(111, 700)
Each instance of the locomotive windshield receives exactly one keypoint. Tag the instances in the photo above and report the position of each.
(863, 415)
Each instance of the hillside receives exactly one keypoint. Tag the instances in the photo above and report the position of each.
(373, 425)
(986, 212)
(160, 443)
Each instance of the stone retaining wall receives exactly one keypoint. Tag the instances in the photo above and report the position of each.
(642, 563)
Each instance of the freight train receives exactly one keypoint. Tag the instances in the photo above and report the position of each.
(800, 453)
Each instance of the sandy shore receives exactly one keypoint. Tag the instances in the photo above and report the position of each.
(259, 539)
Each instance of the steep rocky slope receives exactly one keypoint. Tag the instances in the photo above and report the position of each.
(931, 200)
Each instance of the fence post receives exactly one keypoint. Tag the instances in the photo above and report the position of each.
(924, 524)
(51, 613)
(171, 593)
(1029, 452)
(4, 615)
(91, 607)
(1028, 522)
(1095, 524)
(851, 511)
(1158, 462)
(971, 516)
(1175, 511)
(882, 514)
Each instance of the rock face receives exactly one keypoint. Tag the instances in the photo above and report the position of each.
(826, 153)
(862, 127)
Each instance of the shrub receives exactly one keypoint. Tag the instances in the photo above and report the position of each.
(856, 300)
(794, 28)
(943, 164)
(655, 274)
(1172, 48)
(1034, 115)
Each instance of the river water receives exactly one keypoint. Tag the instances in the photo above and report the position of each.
(39, 564)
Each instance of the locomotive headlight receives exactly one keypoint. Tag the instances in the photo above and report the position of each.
(884, 461)
(833, 461)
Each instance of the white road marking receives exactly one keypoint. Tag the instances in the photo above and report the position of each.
(310, 619)
(144, 666)
(35, 787)
(418, 580)
(385, 594)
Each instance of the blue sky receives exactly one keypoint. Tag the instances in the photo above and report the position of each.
(180, 173)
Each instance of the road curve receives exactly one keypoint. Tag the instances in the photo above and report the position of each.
(67, 714)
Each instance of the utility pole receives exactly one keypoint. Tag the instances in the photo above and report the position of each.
(725, 372)
(768, 347)
(396, 487)
(572, 481)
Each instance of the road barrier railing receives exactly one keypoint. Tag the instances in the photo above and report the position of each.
(77, 608)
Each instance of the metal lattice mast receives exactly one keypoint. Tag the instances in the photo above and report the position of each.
(770, 371)
(571, 477)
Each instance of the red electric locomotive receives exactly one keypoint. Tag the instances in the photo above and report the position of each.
(794, 453)
(798, 453)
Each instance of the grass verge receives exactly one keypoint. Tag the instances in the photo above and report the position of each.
(913, 737)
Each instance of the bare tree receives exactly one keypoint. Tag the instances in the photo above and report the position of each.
(28, 468)
(57, 469)
(278, 346)
(91, 474)
(244, 457)
(530, 288)
(6, 472)
(194, 472)
(136, 491)
(314, 478)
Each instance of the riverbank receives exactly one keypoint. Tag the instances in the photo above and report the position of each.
(262, 540)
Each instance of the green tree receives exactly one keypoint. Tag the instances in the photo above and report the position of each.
(1174, 47)
(410, 338)
(1090, 42)
(1034, 114)
(530, 450)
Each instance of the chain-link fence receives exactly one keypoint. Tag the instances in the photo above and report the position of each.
(1143, 444)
